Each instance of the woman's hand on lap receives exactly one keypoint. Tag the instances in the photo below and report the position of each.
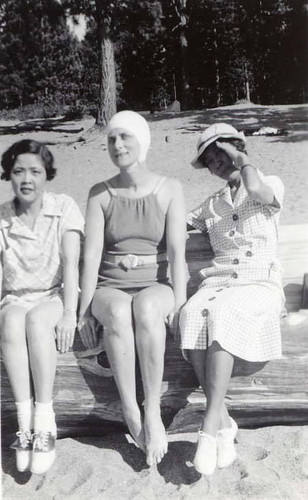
(88, 330)
(65, 331)
(173, 324)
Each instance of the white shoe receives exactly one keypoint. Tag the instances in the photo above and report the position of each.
(205, 460)
(226, 453)
(44, 452)
(23, 447)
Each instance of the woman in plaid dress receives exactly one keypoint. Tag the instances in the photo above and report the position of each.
(236, 310)
(39, 251)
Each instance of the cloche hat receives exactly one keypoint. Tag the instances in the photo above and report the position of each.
(212, 134)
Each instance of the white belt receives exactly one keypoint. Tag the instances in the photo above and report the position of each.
(131, 261)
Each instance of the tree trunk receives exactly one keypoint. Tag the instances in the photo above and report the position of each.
(247, 89)
(180, 8)
(217, 75)
(107, 91)
(184, 80)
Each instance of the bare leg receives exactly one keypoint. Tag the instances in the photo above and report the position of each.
(16, 360)
(219, 365)
(40, 327)
(198, 359)
(151, 307)
(15, 351)
(113, 309)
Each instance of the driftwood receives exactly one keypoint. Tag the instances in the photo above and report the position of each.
(86, 398)
(38, 126)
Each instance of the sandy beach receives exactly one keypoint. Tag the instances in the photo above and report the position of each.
(272, 464)
(174, 137)
(272, 461)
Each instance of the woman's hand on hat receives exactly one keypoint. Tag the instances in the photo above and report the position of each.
(238, 158)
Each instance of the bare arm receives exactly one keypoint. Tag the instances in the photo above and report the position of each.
(1, 277)
(256, 188)
(176, 243)
(254, 185)
(65, 329)
(93, 248)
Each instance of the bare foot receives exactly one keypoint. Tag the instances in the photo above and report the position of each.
(136, 429)
(155, 438)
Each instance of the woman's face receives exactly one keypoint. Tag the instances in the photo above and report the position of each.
(28, 177)
(219, 163)
(123, 148)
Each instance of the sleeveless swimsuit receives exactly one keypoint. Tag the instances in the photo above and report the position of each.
(135, 231)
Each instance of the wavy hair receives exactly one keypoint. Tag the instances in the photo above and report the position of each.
(27, 146)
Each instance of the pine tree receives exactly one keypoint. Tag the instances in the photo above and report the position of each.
(40, 59)
(112, 20)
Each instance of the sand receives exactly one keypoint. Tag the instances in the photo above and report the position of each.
(272, 464)
(174, 138)
(272, 461)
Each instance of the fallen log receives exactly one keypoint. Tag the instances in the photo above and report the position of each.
(86, 399)
(37, 127)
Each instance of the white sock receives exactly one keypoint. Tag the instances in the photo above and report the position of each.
(44, 418)
(25, 412)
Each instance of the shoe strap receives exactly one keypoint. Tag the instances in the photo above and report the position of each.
(43, 441)
(206, 436)
(24, 440)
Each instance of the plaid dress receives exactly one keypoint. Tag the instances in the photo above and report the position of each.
(239, 301)
(32, 259)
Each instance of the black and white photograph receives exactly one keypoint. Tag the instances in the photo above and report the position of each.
(154, 249)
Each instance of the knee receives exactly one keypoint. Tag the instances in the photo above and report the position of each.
(147, 312)
(35, 323)
(118, 318)
(12, 326)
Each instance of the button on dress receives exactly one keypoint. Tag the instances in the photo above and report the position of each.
(244, 277)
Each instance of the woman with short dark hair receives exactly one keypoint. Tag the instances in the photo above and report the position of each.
(236, 310)
(27, 146)
(39, 253)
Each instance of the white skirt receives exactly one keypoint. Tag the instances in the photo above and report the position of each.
(244, 320)
(29, 300)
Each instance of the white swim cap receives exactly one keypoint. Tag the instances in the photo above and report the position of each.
(136, 125)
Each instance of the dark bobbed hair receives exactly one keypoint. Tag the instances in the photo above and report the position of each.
(237, 143)
(27, 146)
